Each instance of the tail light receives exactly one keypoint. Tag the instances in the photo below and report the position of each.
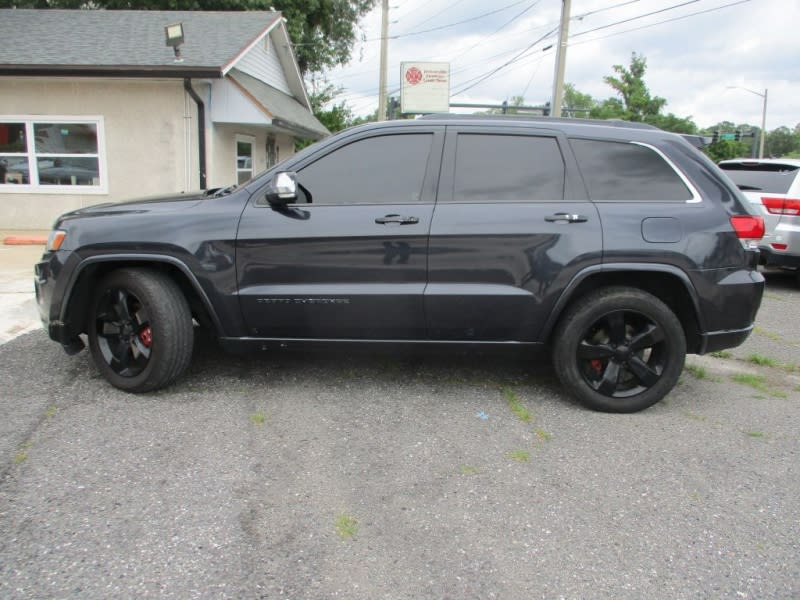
(782, 206)
(748, 227)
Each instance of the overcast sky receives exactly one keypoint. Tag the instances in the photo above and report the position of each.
(691, 58)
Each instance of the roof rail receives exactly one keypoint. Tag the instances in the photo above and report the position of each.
(539, 118)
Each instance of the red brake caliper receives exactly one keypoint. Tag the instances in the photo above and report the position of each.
(597, 365)
(146, 335)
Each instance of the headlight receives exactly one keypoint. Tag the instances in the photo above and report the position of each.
(57, 237)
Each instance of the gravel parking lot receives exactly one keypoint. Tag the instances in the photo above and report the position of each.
(426, 476)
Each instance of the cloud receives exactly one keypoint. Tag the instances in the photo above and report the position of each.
(691, 60)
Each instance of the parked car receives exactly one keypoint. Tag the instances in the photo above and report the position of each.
(772, 186)
(618, 246)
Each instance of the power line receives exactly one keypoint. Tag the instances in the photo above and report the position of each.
(518, 57)
(504, 65)
(448, 7)
(700, 12)
(655, 12)
(439, 28)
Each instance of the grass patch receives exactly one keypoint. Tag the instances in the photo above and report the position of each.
(768, 334)
(516, 406)
(544, 436)
(519, 455)
(698, 372)
(760, 359)
(258, 418)
(468, 470)
(758, 382)
(696, 417)
(346, 526)
(51, 411)
(756, 434)
(20, 457)
(722, 354)
(773, 296)
(797, 388)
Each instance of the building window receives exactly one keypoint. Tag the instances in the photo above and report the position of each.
(244, 158)
(54, 155)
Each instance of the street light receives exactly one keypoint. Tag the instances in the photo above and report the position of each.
(763, 115)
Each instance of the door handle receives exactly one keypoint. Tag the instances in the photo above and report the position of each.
(396, 220)
(566, 218)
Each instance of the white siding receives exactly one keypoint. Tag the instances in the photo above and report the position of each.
(265, 65)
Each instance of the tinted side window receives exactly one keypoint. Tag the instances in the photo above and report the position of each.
(388, 169)
(625, 171)
(507, 168)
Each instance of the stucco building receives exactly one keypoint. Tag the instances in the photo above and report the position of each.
(95, 107)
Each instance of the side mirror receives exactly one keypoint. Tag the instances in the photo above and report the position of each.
(283, 189)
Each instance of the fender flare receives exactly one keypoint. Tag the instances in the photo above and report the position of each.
(568, 293)
(144, 258)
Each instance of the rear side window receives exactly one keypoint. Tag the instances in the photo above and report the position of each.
(622, 171)
(771, 178)
(507, 168)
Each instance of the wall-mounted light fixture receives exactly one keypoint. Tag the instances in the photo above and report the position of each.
(174, 35)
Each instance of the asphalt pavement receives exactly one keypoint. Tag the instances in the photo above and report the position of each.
(418, 476)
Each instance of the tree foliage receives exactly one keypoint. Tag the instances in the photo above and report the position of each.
(323, 31)
(636, 99)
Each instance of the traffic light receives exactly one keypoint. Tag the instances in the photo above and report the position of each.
(738, 135)
(715, 137)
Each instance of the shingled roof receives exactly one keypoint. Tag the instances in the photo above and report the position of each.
(129, 42)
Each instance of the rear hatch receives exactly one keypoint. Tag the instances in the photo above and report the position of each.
(773, 189)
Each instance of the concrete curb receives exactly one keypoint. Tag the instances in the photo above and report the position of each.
(25, 240)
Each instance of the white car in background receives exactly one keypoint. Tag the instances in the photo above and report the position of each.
(773, 187)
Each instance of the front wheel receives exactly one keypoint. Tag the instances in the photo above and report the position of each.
(140, 330)
(619, 350)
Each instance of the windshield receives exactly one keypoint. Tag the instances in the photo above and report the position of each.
(770, 178)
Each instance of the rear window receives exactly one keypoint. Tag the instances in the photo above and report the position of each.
(621, 171)
(771, 178)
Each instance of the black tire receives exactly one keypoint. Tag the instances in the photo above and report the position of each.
(619, 350)
(140, 330)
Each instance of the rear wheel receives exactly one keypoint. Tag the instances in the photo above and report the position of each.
(619, 350)
(140, 330)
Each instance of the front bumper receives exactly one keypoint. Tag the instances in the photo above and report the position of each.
(51, 283)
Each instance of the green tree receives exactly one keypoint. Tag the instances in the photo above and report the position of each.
(323, 31)
(781, 141)
(636, 99)
(575, 103)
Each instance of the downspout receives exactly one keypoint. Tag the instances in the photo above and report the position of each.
(201, 129)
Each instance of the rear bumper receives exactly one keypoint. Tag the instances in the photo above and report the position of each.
(773, 258)
(719, 340)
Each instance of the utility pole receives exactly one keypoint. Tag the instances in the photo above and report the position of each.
(561, 60)
(384, 60)
(763, 126)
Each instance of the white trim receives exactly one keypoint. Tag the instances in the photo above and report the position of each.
(696, 197)
(232, 63)
(246, 139)
(34, 187)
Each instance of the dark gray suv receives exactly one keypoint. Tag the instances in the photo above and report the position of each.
(618, 246)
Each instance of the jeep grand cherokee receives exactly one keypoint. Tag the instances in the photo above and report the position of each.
(618, 246)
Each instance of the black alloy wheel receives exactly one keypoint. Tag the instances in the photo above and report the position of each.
(124, 335)
(622, 354)
(140, 330)
(619, 349)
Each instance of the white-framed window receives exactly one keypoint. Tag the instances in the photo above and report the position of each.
(52, 154)
(244, 158)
